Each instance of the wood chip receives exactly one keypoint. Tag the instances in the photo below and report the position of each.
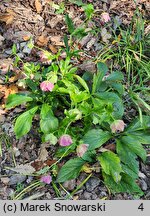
(38, 6)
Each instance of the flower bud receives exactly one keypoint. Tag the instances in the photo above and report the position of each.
(117, 125)
(46, 179)
(46, 86)
(65, 140)
(81, 149)
(105, 17)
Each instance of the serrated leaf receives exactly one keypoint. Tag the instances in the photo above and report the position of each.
(136, 124)
(24, 122)
(142, 136)
(126, 185)
(129, 171)
(95, 138)
(115, 100)
(24, 169)
(118, 87)
(126, 155)
(89, 10)
(16, 99)
(70, 170)
(89, 156)
(70, 24)
(115, 76)
(110, 163)
(135, 146)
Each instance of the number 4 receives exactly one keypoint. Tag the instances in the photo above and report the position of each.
(141, 207)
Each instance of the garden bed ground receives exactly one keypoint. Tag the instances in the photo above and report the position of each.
(20, 20)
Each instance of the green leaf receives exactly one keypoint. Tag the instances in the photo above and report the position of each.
(89, 156)
(24, 122)
(129, 171)
(16, 99)
(97, 79)
(77, 2)
(82, 82)
(126, 185)
(89, 10)
(134, 146)
(115, 76)
(14, 49)
(136, 124)
(50, 138)
(115, 100)
(95, 138)
(110, 163)
(118, 87)
(32, 85)
(70, 24)
(48, 122)
(64, 151)
(142, 136)
(70, 170)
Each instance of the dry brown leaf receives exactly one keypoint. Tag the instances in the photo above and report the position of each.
(42, 40)
(12, 89)
(38, 6)
(7, 18)
(57, 40)
(7, 90)
(52, 48)
(43, 154)
(26, 37)
(25, 169)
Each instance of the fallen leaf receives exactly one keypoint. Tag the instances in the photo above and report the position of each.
(54, 21)
(12, 89)
(25, 169)
(42, 40)
(43, 154)
(37, 165)
(7, 18)
(57, 40)
(38, 6)
(52, 48)
(105, 35)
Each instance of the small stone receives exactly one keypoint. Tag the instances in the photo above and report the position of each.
(92, 183)
(16, 152)
(1, 40)
(103, 194)
(48, 196)
(21, 55)
(22, 45)
(8, 52)
(87, 195)
(26, 50)
(5, 180)
(17, 179)
(143, 185)
(70, 185)
(142, 175)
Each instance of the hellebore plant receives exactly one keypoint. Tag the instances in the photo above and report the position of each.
(83, 115)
